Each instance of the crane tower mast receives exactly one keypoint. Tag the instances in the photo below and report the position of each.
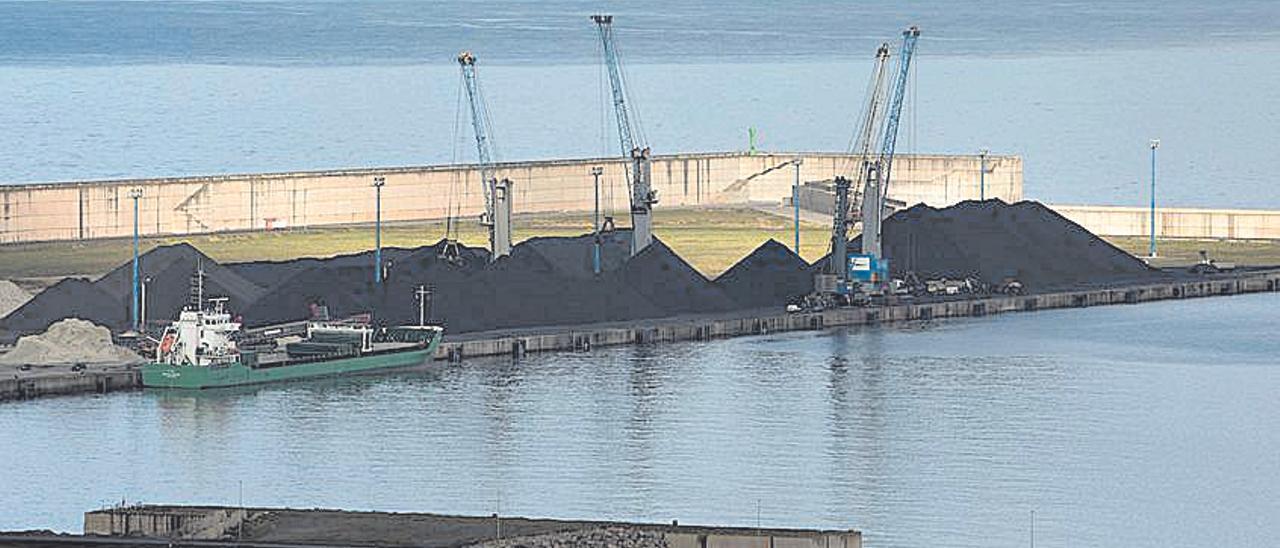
(497, 194)
(877, 171)
(642, 196)
(865, 144)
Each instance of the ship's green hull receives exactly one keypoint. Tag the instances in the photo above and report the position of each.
(158, 375)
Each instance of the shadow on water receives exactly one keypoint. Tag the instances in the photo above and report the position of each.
(855, 423)
(645, 395)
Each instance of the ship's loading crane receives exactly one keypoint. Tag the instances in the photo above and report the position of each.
(632, 142)
(497, 193)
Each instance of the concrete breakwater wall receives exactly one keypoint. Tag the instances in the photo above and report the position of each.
(273, 201)
(1220, 224)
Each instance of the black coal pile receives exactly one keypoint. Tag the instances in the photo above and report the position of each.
(524, 289)
(344, 290)
(271, 273)
(69, 298)
(171, 270)
(107, 301)
(769, 276)
(343, 284)
(992, 240)
(574, 256)
(670, 283)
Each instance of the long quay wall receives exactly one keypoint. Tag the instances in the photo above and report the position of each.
(270, 201)
(706, 329)
(559, 339)
(687, 330)
(38, 386)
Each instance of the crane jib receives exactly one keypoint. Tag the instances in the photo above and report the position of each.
(890, 140)
(484, 156)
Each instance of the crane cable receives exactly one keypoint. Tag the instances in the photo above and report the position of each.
(454, 195)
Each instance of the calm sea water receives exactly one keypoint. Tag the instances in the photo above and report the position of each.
(157, 88)
(1151, 425)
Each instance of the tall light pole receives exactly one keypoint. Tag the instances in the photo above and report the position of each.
(595, 257)
(1155, 144)
(982, 174)
(136, 194)
(378, 182)
(795, 205)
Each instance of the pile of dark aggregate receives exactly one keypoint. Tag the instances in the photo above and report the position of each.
(550, 281)
(991, 240)
(107, 300)
(71, 297)
(770, 275)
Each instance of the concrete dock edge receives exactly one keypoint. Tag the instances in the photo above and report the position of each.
(512, 343)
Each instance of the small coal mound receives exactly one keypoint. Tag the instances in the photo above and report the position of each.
(69, 298)
(670, 283)
(770, 276)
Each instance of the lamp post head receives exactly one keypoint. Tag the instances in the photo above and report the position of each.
(135, 193)
(379, 181)
(597, 170)
(1155, 143)
(983, 152)
(798, 161)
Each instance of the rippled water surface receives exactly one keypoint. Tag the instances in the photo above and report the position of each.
(1150, 425)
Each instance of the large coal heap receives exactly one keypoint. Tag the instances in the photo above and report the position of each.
(170, 269)
(992, 240)
(550, 281)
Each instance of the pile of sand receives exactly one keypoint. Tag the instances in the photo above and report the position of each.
(11, 297)
(67, 342)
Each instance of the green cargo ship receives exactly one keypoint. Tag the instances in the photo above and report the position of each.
(200, 350)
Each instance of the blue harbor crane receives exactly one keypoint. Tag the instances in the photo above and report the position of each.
(497, 193)
(849, 278)
(631, 140)
(871, 267)
(864, 144)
